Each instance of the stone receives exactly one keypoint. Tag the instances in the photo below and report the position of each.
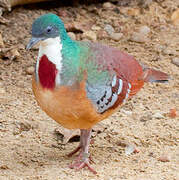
(2, 91)
(124, 2)
(175, 17)
(158, 115)
(145, 30)
(175, 61)
(102, 34)
(116, 36)
(107, 5)
(138, 37)
(14, 54)
(109, 29)
(63, 13)
(128, 113)
(95, 28)
(130, 148)
(1, 41)
(146, 3)
(164, 158)
(90, 35)
(72, 35)
(133, 12)
(30, 70)
(172, 113)
(169, 51)
(159, 48)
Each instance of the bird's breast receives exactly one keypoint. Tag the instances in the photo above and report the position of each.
(67, 105)
(47, 73)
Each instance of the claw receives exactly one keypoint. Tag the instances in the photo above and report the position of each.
(81, 162)
(85, 164)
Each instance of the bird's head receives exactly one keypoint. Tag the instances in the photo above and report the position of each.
(46, 27)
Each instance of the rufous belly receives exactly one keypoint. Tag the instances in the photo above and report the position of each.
(69, 106)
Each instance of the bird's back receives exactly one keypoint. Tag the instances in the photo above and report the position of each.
(111, 75)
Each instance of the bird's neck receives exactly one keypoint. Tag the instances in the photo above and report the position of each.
(57, 61)
(52, 48)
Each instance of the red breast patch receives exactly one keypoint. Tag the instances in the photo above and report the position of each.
(47, 73)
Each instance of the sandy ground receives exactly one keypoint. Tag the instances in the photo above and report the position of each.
(28, 148)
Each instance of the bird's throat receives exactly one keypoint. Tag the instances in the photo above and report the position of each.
(47, 73)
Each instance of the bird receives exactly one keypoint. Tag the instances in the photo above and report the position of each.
(79, 84)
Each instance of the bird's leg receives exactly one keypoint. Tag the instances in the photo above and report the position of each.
(79, 148)
(84, 156)
(74, 151)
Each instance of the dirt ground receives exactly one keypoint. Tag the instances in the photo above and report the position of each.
(29, 149)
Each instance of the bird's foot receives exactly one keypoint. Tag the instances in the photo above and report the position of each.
(83, 161)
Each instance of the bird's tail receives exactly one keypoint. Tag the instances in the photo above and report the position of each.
(152, 75)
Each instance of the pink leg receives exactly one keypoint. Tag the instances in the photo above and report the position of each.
(74, 151)
(84, 156)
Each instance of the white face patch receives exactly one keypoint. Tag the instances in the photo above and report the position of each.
(51, 47)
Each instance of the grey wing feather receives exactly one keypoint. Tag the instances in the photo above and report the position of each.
(101, 96)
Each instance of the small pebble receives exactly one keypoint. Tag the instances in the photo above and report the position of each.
(146, 3)
(164, 158)
(95, 28)
(4, 167)
(116, 36)
(63, 13)
(109, 29)
(23, 126)
(2, 91)
(133, 12)
(145, 30)
(157, 115)
(175, 17)
(30, 70)
(90, 35)
(169, 51)
(14, 54)
(175, 61)
(1, 41)
(139, 37)
(107, 5)
(173, 113)
(72, 35)
(102, 34)
(126, 112)
(130, 148)
(1, 84)
(166, 51)
(124, 2)
(159, 48)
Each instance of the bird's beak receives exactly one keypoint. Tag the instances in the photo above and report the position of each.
(33, 41)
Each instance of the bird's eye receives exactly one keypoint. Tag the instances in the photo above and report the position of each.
(49, 29)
